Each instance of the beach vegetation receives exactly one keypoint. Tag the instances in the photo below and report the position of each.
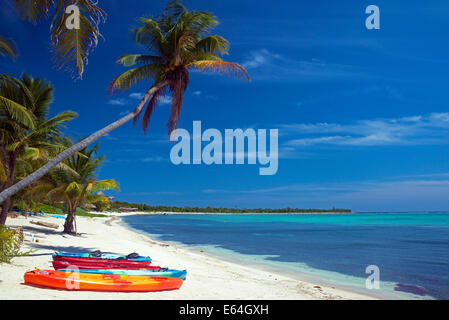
(28, 136)
(178, 41)
(10, 245)
(116, 205)
(79, 187)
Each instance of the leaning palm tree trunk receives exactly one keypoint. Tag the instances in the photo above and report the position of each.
(79, 146)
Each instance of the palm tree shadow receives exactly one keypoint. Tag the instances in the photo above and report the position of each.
(36, 231)
(68, 249)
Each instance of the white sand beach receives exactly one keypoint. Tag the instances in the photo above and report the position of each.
(208, 277)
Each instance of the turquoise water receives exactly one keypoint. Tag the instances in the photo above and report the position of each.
(410, 249)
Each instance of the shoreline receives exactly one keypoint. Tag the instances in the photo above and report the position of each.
(148, 213)
(208, 277)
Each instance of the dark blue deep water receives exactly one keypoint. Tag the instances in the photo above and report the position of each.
(410, 249)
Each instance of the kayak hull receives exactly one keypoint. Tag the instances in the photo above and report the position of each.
(102, 256)
(62, 264)
(103, 263)
(169, 273)
(100, 282)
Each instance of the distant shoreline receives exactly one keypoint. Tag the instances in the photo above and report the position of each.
(142, 213)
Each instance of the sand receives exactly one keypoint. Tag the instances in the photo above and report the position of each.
(208, 278)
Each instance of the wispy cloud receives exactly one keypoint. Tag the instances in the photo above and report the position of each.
(154, 159)
(136, 95)
(124, 113)
(118, 102)
(266, 65)
(425, 192)
(413, 130)
(165, 100)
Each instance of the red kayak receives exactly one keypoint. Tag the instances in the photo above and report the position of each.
(96, 263)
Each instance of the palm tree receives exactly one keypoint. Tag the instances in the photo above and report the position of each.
(71, 47)
(76, 190)
(181, 41)
(7, 48)
(26, 133)
(177, 42)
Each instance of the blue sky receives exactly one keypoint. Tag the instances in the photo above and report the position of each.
(363, 115)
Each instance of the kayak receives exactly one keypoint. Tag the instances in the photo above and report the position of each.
(54, 216)
(99, 255)
(89, 263)
(100, 282)
(160, 272)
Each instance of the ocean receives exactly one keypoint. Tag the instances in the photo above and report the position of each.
(411, 250)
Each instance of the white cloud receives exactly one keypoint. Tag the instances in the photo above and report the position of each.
(153, 159)
(136, 95)
(118, 102)
(429, 129)
(265, 65)
(259, 58)
(165, 100)
(197, 93)
(124, 113)
(417, 193)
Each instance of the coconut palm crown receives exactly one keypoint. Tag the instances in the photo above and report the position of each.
(178, 40)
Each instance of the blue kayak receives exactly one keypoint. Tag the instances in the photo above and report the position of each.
(166, 273)
(54, 216)
(99, 255)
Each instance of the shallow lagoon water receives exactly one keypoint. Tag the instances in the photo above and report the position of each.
(410, 249)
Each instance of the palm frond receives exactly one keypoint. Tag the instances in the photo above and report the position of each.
(213, 44)
(74, 187)
(223, 67)
(32, 10)
(40, 94)
(129, 78)
(17, 112)
(150, 35)
(7, 48)
(129, 60)
(58, 193)
(108, 184)
(157, 96)
(71, 46)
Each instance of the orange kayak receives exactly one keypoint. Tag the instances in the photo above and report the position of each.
(100, 282)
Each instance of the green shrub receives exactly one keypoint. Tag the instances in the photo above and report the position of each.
(45, 208)
(10, 244)
(90, 215)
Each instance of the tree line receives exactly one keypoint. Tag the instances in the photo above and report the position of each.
(117, 205)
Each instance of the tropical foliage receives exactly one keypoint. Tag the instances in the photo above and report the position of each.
(76, 187)
(10, 243)
(178, 40)
(28, 137)
(71, 47)
(147, 208)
